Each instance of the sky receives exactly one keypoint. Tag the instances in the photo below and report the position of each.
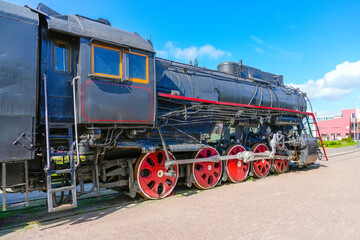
(314, 44)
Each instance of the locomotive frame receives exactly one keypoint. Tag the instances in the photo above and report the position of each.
(83, 102)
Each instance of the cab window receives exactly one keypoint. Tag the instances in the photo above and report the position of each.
(106, 61)
(61, 57)
(117, 63)
(138, 67)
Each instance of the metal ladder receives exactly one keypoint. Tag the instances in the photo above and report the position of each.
(317, 130)
(317, 135)
(72, 150)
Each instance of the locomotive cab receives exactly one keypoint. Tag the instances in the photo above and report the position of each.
(114, 72)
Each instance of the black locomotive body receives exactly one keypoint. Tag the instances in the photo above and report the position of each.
(83, 102)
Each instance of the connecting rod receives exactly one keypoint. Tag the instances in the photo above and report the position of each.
(246, 156)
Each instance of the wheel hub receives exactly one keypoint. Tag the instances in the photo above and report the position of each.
(160, 173)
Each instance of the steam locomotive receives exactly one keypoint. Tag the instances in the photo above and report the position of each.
(83, 102)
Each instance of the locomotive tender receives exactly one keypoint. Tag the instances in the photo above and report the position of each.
(83, 102)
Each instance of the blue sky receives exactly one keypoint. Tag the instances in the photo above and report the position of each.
(314, 44)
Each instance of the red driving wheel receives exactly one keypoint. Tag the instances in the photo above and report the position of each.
(261, 168)
(237, 170)
(150, 174)
(280, 165)
(206, 174)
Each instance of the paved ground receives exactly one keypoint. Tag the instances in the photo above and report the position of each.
(322, 202)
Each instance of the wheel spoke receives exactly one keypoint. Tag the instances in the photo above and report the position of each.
(148, 178)
(149, 163)
(267, 164)
(155, 188)
(167, 182)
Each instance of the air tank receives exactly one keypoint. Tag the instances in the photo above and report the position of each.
(229, 67)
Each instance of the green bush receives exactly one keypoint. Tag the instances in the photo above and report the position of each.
(332, 144)
(348, 139)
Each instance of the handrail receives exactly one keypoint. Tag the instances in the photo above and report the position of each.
(75, 121)
(47, 166)
(318, 131)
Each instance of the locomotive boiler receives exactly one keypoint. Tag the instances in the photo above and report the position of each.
(85, 103)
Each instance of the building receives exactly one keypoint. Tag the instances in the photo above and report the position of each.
(341, 127)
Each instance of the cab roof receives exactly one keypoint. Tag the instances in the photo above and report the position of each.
(84, 27)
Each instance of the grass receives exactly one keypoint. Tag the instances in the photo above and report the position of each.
(251, 178)
(79, 212)
(337, 144)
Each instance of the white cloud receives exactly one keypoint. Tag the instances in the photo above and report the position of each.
(259, 50)
(262, 47)
(256, 39)
(280, 53)
(162, 53)
(190, 53)
(335, 84)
